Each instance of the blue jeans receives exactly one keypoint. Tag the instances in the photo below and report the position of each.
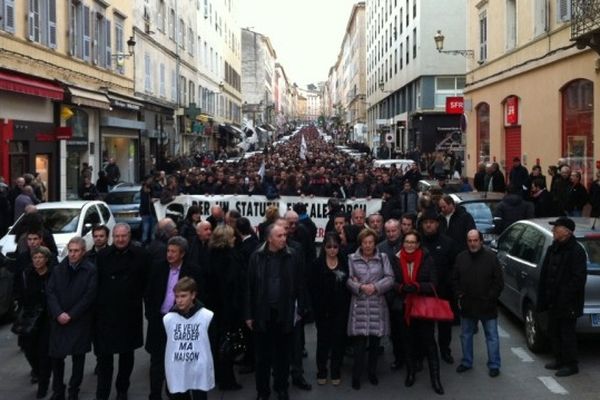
(148, 222)
(490, 327)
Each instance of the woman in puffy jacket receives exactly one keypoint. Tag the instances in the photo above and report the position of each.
(370, 277)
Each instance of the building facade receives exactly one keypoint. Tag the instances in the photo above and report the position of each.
(408, 80)
(529, 85)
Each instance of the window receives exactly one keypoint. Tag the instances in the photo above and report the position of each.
(401, 55)
(540, 24)
(173, 85)
(92, 216)
(447, 86)
(120, 47)
(483, 132)
(41, 21)
(192, 92)
(172, 24)
(162, 15)
(147, 73)
(182, 91)
(181, 34)
(192, 41)
(511, 24)
(8, 12)
(563, 10)
(510, 238)
(483, 36)
(105, 212)
(101, 41)
(407, 50)
(162, 88)
(530, 245)
(414, 42)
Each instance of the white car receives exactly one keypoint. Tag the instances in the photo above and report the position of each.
(65, 219)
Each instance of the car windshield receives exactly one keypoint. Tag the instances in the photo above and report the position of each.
(481, 211)
(116, 198)
(56, 220)
(592, 248)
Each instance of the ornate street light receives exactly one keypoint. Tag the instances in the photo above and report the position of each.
(439, 45)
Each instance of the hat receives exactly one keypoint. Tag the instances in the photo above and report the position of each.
(429, 213)
(564, 221)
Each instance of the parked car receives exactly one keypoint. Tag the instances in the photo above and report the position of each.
(481, 206)
(401, 164)
(521, 249)
(452, 185)
(64, 219)
(124, 202)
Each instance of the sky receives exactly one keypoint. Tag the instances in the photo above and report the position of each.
(306, 34)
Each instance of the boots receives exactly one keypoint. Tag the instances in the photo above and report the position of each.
(434, 369)
(410, 372)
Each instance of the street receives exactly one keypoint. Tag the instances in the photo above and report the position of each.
(522, 375)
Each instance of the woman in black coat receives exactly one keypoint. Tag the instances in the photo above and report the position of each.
(223, 298)
(330, 300)
(33, 323)
(188, 226)
(415, 275)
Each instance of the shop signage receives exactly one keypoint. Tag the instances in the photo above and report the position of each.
(125, 105)
(63, 133)
(255, 207)
(455, 105)
(512, 110)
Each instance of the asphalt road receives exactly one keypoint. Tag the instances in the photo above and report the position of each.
(522, 375)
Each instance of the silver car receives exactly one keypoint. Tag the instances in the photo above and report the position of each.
(521, 249)
(124, 202)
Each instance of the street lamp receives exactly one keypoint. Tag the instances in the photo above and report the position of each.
(120, 57)
(439, 45)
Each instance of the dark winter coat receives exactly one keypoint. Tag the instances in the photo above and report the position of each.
(595, 198)
(293, 297)
(512, 208)
(461, 222)
(443, 250)
(562, 279)
(478, 282)
(560, 191)
(369, 315)
(118, 322)
(577, 198)
(427, 280)
(72, 292)
(330, 297)
(544, 206)
(155, 296)
(479, 182)
(223, 294)
(519, 178)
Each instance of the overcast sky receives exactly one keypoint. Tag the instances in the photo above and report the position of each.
(306, 34)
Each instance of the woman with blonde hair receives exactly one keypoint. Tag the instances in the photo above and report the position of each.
(223, 297)
(271, 216)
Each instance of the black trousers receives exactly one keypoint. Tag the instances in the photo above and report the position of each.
(157, 374)
(35, 347)
(418, 338)
(563, 339)
(105, 374)
(444, 335)
(58, 372)
(297, 369)
(190, 395)
(331, 333)
(398, 327)
(272, 353)
(361, 345)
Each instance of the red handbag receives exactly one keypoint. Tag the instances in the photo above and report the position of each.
(429, 308)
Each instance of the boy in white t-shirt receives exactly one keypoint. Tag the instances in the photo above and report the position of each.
(189, 368)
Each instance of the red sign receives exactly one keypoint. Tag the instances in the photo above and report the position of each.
(512, 110)
(454, 105)
(45, 137)
(63, 133)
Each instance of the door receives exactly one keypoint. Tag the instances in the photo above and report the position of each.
(512, 146)
(42, 167)
(530, 251)
(508, 243)
(19, 165)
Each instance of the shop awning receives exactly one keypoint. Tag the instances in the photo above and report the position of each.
(13, 82)
(124, 102)
(89, 98)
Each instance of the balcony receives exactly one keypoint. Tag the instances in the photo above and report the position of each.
(585, 23)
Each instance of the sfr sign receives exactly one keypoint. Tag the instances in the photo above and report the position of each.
(454, 105)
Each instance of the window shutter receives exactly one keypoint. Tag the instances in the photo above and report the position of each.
(147, 81)
(30, 20)
(162, 80)
(563, 10)
(108, 44)
(9, 16)
(173, 85)
(87, 34)
(52, 24)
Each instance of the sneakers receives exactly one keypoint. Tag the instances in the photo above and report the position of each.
(494, 372)
(567, 371)
(321, 381)
(462, 368)
(336, 382)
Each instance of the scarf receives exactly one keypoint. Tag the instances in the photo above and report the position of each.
(406, 258)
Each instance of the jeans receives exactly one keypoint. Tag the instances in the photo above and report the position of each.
(148, 222)
(490, 327)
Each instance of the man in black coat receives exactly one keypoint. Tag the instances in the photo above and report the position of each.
(455, 221)
(157, 248)
(512, 208)
(562, 294)
(274, 295)
(100, 236)
(477, 281)
(198, 248)
(122, 273)
(71, 293)
(543, 203)
(519, 177)
(158, 300)
(443, 250)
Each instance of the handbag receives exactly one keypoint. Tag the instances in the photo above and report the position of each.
(26, 321)
(232, 344)
(429, 308)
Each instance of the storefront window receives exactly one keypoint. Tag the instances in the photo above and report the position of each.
(577, 126)
(483, 132)
(125, 152)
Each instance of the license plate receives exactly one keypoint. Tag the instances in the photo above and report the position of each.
(595, 320)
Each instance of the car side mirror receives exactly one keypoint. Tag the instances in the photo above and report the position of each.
(86, 228)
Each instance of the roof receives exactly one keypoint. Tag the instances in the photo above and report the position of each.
(65, 204)
(474, 196)
(584, 226)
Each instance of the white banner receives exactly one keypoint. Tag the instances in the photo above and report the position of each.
(254, 207)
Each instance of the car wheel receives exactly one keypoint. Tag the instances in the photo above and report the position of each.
(536, 341)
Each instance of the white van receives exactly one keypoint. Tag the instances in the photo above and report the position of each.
(402, 165)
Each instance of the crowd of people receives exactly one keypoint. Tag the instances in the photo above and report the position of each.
(245, 296)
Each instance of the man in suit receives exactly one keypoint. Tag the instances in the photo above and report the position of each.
(122, 272)
(158, 300)
(455, 221)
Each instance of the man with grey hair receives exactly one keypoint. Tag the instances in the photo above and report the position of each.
(159, 300)
(123, 268)
(26, 198)
(165, 229)
(70, 294)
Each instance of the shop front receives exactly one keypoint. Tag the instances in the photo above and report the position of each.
(159, 127)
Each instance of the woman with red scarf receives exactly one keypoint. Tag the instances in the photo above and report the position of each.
(415, 275)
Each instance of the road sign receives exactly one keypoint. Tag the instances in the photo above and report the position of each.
(389, 138)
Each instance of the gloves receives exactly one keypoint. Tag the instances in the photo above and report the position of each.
(410, 288)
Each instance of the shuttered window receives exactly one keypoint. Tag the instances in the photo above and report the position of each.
(8, 16)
